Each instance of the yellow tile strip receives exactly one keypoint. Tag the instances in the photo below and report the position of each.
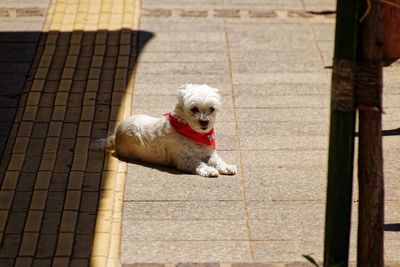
(122, 14)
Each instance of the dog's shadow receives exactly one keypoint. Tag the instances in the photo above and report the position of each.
(160, 168)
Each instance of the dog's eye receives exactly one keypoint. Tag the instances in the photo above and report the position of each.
(194, 110)
(211, 109)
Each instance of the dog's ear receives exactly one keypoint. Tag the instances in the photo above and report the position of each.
(181, 93)
(185, 86)
(180, 96)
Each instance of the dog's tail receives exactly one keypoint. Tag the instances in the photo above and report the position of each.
(107, 144)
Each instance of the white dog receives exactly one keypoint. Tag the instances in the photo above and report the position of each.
(183, 138)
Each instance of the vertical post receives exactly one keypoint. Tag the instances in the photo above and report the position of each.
(341, 140)
(370, 163)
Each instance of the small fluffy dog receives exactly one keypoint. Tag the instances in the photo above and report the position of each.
(183, 138)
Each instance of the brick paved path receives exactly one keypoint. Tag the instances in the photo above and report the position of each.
(61, 204)
(20, 29)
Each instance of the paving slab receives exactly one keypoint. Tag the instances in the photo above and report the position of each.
(306, 114)
(279, 77)
(282, 129)
(185, 46)
(197, 230)
(188, 251)
(291, 31)
(207, 28)
(180, 3)
(187, 210)
(183, 56)
(184, 78)
(285, 251)
(285, 184)
(183, 68)
(275, 4)
(252, 62)
(282, 101)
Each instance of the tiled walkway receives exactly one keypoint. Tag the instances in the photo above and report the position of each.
(60, 203)
(272, 62)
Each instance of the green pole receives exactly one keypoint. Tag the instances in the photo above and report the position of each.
(341, 140)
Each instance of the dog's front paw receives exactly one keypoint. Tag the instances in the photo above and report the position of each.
(227, 169)
(207, 171)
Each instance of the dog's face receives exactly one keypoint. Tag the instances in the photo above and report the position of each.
(198, 105)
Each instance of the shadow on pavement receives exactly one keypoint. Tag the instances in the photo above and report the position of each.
(59, 91)
(392, 227)
(391, 132)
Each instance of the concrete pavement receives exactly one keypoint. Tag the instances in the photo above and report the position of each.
(270, 60)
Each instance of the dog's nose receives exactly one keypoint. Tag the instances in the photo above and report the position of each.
(203, 122)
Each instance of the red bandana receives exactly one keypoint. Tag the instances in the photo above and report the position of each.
(184, 129)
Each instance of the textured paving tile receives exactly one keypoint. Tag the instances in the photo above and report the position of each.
(291, 33)
(273, 210)
(183, 56)
(282, 129)
(324, 32)
(289, 229)
(266, 101)
(275, 4)
(294, 78)
(187, 210)
(257, 62)
(188, 28)
(284, 251)
(285, 158)
(185, 46)
(248, 44)
(179, 3)
(180, 230)
(284, 143)
(168, 184)
(200, 36)
(183, 77)
(287, 114)
(391, 251)
(187, 251)
(183, 68)
(285, 183)
(391, 207)
(276, 89)
(391, 183)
